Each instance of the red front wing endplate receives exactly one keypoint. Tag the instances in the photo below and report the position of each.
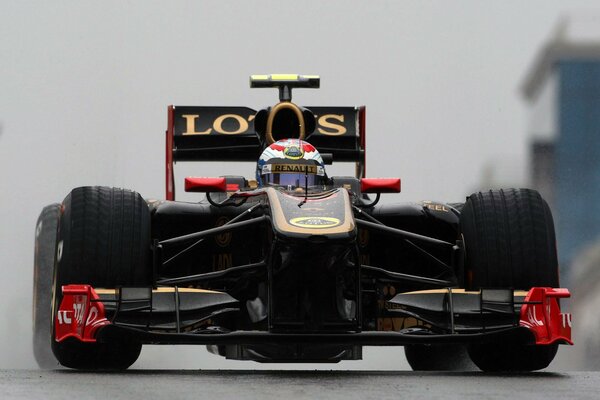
(80, 314)
(541, 314)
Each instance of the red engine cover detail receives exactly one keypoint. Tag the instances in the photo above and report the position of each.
(380, 185)
(541, 314)
(193, 184)
(80, 314)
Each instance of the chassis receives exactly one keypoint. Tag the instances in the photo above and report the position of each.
(270, 275)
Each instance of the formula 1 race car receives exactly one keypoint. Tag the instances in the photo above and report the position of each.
(294, 265)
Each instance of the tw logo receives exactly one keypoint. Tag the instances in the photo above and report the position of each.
(533, 318)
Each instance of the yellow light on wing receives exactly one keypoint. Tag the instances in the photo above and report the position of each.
(284, 77)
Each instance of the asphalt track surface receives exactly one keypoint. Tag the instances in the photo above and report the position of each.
(288, 385)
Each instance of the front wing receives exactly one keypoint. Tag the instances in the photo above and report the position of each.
(182, 316)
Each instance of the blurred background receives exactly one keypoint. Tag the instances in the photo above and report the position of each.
(461, 96)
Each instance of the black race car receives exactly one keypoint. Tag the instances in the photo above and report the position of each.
(294, 265)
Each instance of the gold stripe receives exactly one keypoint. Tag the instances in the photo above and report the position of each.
(283, 225)
(458, 291)
(159, 290)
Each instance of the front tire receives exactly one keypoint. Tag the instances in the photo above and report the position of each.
(509, 243)
(444, 357)
(103, 241)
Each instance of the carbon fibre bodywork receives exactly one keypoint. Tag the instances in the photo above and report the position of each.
(271, 287)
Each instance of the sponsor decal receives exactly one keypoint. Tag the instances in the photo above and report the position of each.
(222, 261)
(315, 222)
(79, 308)
(63, 317)
(223, 239)
(233, 123)
(294, 168)
(92, 315)
(66, 316)
(435, 206)
(331, 125)
(566, 319)
(398, 324)
(293, 152)
(363, 238)
(240, 124)
(533, 318)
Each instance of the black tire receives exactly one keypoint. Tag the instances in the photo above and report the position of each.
(508, 357)
(104, 241)
(509, 243)
(446, 357)
(43, 270)
(509, 240)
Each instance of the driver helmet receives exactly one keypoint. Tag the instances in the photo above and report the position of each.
(291, 164)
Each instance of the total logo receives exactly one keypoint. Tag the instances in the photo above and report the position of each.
(65, 317)
(535, 320)
(315, 222)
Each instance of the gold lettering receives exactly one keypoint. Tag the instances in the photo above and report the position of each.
(436, 207)
(365, 259)
(218, 124)
(397, 324)
(387, 324)
(222, 261)
(190, 123)
(337, 129)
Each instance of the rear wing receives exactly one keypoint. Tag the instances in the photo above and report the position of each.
(197, 133)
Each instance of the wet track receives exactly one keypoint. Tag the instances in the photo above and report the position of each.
(215, 384)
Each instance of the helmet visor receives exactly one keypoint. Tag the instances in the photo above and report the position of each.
(293, 180)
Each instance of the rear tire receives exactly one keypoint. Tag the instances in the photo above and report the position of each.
(103, 241)
(43, 270)
(509, 243)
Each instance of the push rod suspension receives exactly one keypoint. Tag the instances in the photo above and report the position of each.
(401, 233)
(215, 231)
(212, 275)
(406, 277)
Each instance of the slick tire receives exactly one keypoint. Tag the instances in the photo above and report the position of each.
(445, 357)
(509, 242)
(104, 241)
(507, 357)
(43, 269)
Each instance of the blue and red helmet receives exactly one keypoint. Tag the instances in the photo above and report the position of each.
(291, 163)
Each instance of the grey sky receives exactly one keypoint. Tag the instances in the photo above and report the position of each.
(85, 85)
